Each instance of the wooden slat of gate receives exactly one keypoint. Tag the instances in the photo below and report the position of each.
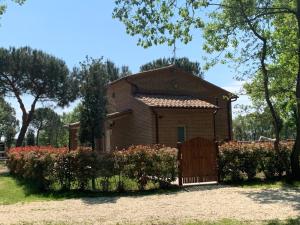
(198, 161)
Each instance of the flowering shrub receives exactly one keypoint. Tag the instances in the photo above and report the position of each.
(49, 166)
(152, 162)
(237, 158)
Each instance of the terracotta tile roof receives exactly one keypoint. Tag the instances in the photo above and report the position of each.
(169, 101)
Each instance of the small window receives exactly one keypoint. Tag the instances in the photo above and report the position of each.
(181, 134)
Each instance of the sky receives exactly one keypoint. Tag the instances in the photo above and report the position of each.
(74, 29)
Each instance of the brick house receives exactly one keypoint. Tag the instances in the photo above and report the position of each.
(166, 106)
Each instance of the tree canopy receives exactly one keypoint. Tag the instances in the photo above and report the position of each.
(8, 122)
(93, 109)
(3, 7)
(251, 33)
(47, 121)
(24, 71)
(183, 63)
(115, 72)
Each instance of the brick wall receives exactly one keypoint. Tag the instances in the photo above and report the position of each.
(135, 128)
(140, 128)
(178, 82)
(198, 123)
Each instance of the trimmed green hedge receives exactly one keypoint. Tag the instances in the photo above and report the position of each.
(238, 160)
(53, 168)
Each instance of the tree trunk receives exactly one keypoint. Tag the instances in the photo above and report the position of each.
(296, 149)
(265, 73)
(22, 133)
(274, 114)
(26, 119)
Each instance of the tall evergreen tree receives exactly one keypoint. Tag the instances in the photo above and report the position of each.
(183, 63)
(93, 110)
(24, 71)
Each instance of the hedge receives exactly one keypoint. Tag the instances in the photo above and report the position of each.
(240, 159)
(57, 168)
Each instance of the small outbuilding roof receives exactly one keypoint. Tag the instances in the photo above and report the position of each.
(170, 101)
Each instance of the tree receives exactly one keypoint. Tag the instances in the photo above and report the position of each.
(73, 116)
(125, 71)
(254, 33)
(3, 6)
(30, 138)
(254, 122)
(25, 71)
(158, 22)
(93, 109)
(45, 119)
(115, 72)
(183, 63)
(8, 122)
(51, 134)
(112, 70)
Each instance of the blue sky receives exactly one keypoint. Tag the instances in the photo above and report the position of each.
(73, 29)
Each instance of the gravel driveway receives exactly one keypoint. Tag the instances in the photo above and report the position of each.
(203, 203)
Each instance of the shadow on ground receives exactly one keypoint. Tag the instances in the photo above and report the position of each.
(268, 196)
(288, 222)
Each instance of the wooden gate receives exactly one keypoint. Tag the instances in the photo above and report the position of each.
(197, 161)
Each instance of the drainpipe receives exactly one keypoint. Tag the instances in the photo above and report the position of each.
(69, 127)
(214, 119)
(229, 125)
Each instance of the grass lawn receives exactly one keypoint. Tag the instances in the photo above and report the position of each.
(13, 191)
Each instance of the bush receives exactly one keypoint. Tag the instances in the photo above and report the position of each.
(148, 163)
(244, 158)
(52, 167)
(48, 166)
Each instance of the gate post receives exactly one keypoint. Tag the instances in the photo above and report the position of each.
(179, 145)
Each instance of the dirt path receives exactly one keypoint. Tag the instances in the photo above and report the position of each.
(206, 203)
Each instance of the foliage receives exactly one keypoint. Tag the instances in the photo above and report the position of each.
(48, 122)
(35, 73)
(183, 63)
(252, 126)
(260, 37)
(254, 122)
(251, 158)
(30, 138)
(8, 122)
(93, 110)
(66, 119)
(115, 72)
(3, 7)
(51, 167)
(145, 163)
